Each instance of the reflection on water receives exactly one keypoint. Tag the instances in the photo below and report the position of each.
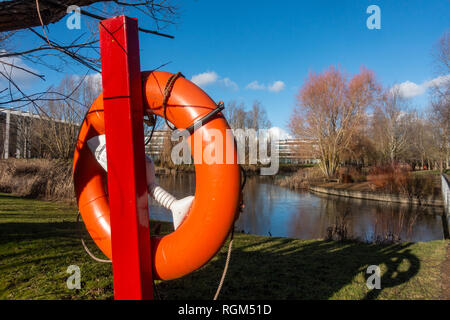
(277, 211)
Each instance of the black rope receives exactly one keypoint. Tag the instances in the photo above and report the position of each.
(151, 122)
(244, 174)
(150, 137)
(167, 92)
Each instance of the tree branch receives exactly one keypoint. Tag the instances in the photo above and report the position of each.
(22, 14)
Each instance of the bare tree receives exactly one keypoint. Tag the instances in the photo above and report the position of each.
(440, 100)
(440, 119)
(422, 144)
(235, 115)
(60, 120)
(361, 150)
(329, 111)
(32, 17)
(391, 125)
(257, 117)
(441, 54)
(239, 118)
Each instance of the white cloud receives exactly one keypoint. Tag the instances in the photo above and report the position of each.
(255, 85)
(230, 84)
(410, 89)
(89, 78)
(278, 133)
(277, 86)
(439, 81)
(20, 77)
(205, 78)
(96, 77)
(93, 80)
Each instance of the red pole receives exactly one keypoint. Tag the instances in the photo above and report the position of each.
(127, 186)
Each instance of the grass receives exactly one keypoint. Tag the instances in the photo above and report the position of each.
(40, 239)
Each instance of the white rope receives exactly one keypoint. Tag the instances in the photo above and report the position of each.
(225, 269)
(87, 250)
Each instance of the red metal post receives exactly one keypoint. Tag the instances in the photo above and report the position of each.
(127, 186)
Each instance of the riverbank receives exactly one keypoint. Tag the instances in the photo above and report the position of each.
(48, 179)
(363, 191)
(40, 239)
(250, 170)
(417, 187)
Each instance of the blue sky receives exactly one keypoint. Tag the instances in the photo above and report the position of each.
(240, 42)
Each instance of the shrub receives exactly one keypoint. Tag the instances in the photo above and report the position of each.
(391, 178)
(351, 174)
(302, 178)
(37, 178)
(398, 179)
(419, 186)
(339, 230)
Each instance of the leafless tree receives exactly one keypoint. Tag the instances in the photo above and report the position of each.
(329, 112)
(440, 120)
(422, 143)
(236, 115)
(60, 120)
(440, 100)
(441, 54)
(257, 117)
(239, 118)
(391, 125)
(361, 150)
(20, 17)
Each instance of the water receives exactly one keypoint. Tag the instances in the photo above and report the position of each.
(277, 211)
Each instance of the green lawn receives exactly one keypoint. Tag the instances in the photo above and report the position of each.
(39, 240)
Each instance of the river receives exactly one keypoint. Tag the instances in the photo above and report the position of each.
(272, 210)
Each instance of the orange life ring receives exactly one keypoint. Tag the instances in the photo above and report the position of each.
(213, 211)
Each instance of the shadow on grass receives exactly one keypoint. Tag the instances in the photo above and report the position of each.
(34, 243)
(261, 268)
(285, 269)
(34, 257)
(12, 231)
